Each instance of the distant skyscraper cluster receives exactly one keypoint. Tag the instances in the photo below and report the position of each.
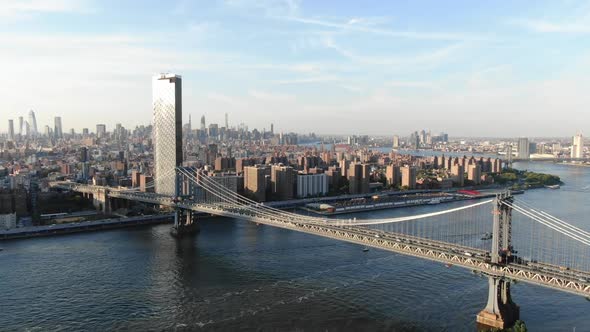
(527, 149)
(422, 139)
(26, 129)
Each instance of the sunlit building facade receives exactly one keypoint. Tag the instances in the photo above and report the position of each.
(167, 131)
(577, 146)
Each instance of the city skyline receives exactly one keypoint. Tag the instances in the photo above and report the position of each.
(351, 69)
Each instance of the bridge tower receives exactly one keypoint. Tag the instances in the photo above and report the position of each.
(502, 229)
(500, 311)
(185, 220)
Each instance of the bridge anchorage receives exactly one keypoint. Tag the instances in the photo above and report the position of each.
(500, 311)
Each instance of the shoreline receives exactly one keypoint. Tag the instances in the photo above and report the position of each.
(82, 227)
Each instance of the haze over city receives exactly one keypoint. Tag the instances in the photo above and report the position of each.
(294, 165)
(472, 69)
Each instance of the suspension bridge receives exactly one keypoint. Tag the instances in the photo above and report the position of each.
(530, 245)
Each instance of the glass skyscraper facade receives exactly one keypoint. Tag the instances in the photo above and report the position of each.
(57, 131)
(167, 131)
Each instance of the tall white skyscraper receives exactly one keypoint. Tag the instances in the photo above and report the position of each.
(167, 131)
(32, 124)
(577, 146)
(57, 129)
(11, 130)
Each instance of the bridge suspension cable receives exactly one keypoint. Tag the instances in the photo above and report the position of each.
(553, 218)
(346, 222)
(240, 201)
(236, 198)
(561, 226)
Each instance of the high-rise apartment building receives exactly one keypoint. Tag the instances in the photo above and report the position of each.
(358, 178)
(409, 177)
(523, 148)
(57, 128)
(282, 179)
(255, 182)
(458, 172)
(577, 146)
(474, 173)
(167, 131)
(395, 141)
(392, 174)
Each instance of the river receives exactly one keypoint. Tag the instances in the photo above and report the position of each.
(238, 276)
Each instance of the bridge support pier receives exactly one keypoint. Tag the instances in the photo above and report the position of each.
(185, 223)
(500, 312)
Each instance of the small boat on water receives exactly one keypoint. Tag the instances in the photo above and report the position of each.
(555, 186)
(365, 249)
(449, 265)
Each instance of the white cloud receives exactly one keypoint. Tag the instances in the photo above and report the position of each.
(18, 9)
(271, 96)
(552, 27)
(425, 59)
(268, 7)
(305, 80)
(369, 21)
(352, 25)
(409, 84)
(225, 99)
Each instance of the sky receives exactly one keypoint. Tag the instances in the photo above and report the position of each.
(468, 68)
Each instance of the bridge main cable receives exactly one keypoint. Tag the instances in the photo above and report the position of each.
(334, 222)
(546, 215)
(362, 222)
(549, 223)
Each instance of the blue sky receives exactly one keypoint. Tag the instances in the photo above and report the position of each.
(474, 68)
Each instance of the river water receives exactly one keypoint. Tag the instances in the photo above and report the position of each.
(238, 276)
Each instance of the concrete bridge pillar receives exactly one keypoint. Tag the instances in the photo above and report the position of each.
(500, 312)
(185, 223)
(101, 200)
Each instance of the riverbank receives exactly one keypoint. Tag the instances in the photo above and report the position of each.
(87, 226)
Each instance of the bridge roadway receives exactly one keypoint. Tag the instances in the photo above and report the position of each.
(575, 282)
